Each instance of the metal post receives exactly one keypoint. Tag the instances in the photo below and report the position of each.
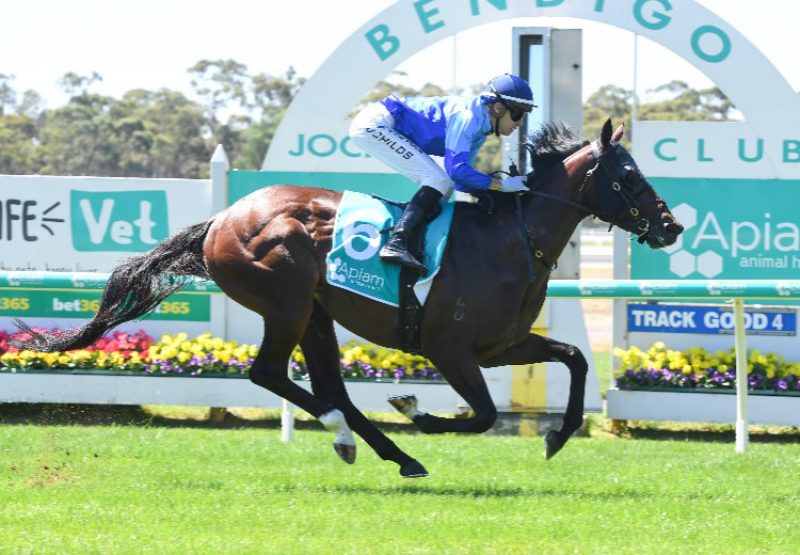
(619, 319)
(219, 201)
(287, 415)
(742, 438)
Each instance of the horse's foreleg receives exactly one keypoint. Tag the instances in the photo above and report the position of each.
(537, 348)
(321, 351)
(464, 376)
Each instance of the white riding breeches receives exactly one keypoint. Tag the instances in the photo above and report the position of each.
(373, 131)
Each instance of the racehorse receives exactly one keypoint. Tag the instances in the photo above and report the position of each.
(267, 252)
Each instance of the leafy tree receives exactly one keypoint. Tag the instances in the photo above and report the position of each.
(31, 105)
(164, 134)
(683, 103)
(78, 85)
(221, 83)
(8, 96)
(160, 134)
(274, 94)
(17, 147)
(243, 110)
(76, 139)
(609, 101)
(676, 102)
(271, 97)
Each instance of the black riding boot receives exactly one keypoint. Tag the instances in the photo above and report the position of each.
(425, 203)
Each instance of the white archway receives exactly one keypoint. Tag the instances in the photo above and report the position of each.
(313, 134)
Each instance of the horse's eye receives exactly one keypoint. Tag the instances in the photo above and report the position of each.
(631, 175)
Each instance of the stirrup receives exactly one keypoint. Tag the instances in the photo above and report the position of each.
(403, 257)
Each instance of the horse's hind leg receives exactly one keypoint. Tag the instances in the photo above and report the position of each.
(270, 368)
(321, 351)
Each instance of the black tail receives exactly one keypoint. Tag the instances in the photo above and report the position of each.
(136, 287)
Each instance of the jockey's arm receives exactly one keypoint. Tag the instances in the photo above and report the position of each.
(465, 177)
(464, 137)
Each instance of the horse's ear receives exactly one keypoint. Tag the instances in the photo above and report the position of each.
(605, 134)
(617, 136)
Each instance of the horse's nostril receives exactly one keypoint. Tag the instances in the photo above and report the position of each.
(674, 228)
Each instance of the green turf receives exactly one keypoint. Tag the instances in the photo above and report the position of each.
(128, 489)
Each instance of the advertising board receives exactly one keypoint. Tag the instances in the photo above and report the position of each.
(90, 224)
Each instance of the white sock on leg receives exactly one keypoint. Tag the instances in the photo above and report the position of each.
(334, 421)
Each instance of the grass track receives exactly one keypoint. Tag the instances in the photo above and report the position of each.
(127, 489)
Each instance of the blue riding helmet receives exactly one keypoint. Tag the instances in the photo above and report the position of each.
(513, 92)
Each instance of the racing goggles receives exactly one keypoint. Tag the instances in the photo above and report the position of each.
(515, 110)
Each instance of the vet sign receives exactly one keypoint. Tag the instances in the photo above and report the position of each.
(118, 221)
(670, 318)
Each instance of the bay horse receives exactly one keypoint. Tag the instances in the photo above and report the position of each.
(267, 252)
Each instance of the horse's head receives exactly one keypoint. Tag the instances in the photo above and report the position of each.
(623, 196)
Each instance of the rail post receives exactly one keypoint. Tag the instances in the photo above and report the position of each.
(742, 429)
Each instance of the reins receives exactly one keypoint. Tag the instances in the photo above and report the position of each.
(630, 198)
(530, 249)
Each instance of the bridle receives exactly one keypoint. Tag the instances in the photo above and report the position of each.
(629, 186)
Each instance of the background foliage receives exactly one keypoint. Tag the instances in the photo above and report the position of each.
(164, 133)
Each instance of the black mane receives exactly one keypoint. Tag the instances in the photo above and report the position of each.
(551, 144)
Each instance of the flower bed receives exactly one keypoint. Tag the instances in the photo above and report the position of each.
(696, 369)
(206, 355)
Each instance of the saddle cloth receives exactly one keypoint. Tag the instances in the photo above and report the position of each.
(362, 227)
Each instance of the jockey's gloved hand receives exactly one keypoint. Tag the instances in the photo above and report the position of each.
(513, 184)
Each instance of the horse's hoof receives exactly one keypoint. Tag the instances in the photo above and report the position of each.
(346, 452)
(406, 404)
(552, 444)
(413, 470)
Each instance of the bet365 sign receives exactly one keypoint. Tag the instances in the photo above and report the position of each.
(118, 221)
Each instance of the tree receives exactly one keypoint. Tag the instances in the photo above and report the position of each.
(75, 139)
(609, 101)
(271, 98)
(676, 102)
(682, 103)
(78, 85)
(8, 97)
(222, 84)
(160, 134)
(31, 105)
(17, 147)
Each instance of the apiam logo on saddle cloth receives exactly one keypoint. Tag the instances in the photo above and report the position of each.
(361, 229)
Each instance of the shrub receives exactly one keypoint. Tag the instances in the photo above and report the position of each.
(205, 354)
(697, 368)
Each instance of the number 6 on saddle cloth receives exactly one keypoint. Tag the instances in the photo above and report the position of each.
(362, 225)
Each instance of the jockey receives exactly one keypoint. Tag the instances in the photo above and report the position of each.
(405, 133)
